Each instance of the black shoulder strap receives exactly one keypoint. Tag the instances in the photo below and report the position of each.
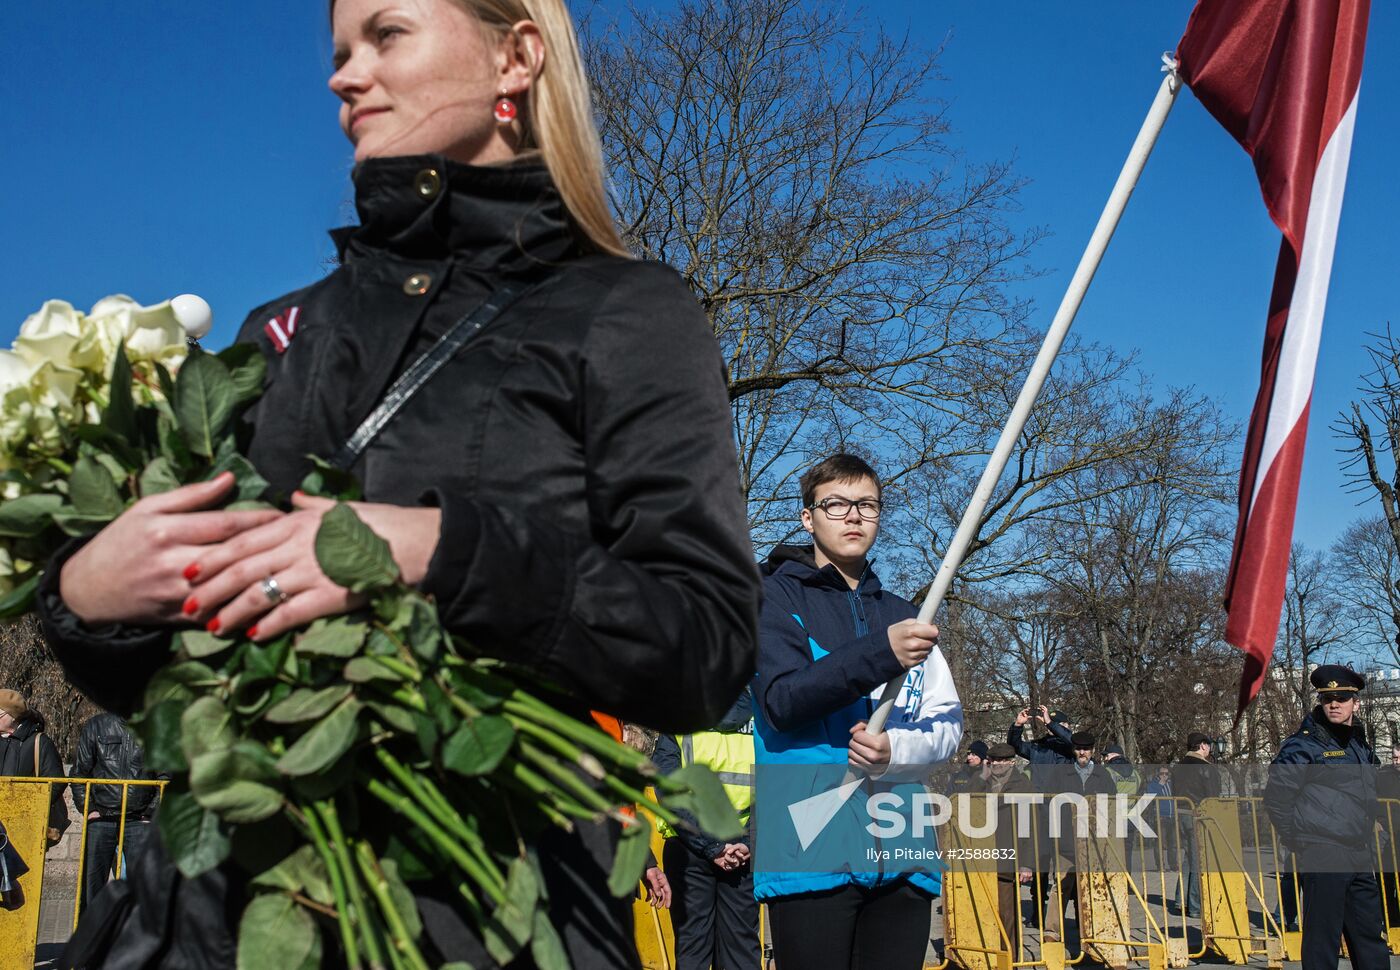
(422, 369)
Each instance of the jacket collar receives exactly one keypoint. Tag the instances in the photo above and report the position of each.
(800, 562)
(1341, 735)
(508, 218)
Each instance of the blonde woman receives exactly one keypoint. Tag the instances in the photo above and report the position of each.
(565, 486)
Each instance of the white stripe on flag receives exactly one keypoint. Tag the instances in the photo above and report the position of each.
(277, 332)
(292, 315)
(1303, 330)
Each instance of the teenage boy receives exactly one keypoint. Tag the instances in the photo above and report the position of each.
(829, 639)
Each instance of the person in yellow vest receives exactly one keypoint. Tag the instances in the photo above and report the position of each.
(713, 909)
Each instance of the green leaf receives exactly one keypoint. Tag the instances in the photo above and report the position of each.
(178, 682)
(707, 801)
(403, 899)
(159, 476)
(193, 836)
(545, 945)
(509, 927)
(92, 490)
(305, 704)
(19, 600)
(247, 368)
(351, 555)
(423, 629)
(361, 670)
(121, 454)
(172, 445)
(231, 783)
(198, 644)
(119, 417)
(328, 481)
(323, 745)
(248, 484)
(633, 851)
(265, 661)
(439, 706)
(205, 726)
(276, 932)
(78, 524)
(395, 717)
(204, 399)
(29, 515)
(302, 871)
(478, 745)
(338, 637)
(160, 736)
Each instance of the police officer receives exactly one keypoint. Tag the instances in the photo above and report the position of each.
(1321, 797)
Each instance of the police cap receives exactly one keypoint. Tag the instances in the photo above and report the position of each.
(1337, 677)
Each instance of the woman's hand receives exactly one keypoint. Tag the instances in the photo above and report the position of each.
(134, 570)
(231, 578)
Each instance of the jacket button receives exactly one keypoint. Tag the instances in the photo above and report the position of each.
(428, 183)
(417, 284)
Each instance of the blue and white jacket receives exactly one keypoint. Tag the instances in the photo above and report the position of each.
(823, 659)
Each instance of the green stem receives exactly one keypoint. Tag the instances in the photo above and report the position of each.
(405, 806)
(379, 886)
(567, 749)
(405, 670)
(595, 740)
(346, 923)
(638, 797)
(442, 812)
(369, 934)
(565, 777)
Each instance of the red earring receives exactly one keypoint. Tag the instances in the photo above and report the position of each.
(505, 110)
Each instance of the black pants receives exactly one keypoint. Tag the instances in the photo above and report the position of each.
(852, 928)
(100, 854)
(713, 911)
(1338, 904)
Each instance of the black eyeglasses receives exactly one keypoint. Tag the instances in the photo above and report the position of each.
(1335, 696)
(838, 508)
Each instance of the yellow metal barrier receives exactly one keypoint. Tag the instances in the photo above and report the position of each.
(24, 811)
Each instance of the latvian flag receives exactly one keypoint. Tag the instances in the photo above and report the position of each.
(1282, 77)
(282, 328)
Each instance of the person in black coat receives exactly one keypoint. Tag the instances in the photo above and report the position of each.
(566, 488)
(107, 749)
(1321, 797)
(27, 752)
(1053, 748)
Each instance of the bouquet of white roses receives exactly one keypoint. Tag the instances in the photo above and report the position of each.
(335, 765)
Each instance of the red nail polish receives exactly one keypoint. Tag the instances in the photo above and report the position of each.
(213, 625)
(191, 606)
(252, 632)
(192, 571)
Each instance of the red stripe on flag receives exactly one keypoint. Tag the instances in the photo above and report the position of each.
(1282, 77)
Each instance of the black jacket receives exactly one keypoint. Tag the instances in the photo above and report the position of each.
(1321, 794)
(1195, 778)
(17, 761)
(106, 749)
(1053, 748)
(580, 448)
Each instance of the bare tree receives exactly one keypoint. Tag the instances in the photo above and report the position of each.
(1366, 568)
(789, 160)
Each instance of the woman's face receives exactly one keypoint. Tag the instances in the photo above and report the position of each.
(418, 77)
(7, 723)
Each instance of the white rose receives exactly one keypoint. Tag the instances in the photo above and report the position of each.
(14, 371)
(155, 334)
(54, 387)
(50, 334)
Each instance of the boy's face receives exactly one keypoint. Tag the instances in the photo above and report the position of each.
(849, 537)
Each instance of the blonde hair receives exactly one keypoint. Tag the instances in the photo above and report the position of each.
(558, 120)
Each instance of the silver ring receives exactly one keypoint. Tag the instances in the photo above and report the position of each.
(274, 592)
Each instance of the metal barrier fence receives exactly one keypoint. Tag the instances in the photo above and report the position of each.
(24, 812)
(1248, 887)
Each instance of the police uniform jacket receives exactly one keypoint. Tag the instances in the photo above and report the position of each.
(579, 447)
(1326, 812)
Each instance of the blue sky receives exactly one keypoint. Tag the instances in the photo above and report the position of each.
(163, 147)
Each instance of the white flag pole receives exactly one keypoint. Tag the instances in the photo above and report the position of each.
(1069, 306)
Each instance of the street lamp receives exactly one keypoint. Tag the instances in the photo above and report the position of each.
(1218, 745)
